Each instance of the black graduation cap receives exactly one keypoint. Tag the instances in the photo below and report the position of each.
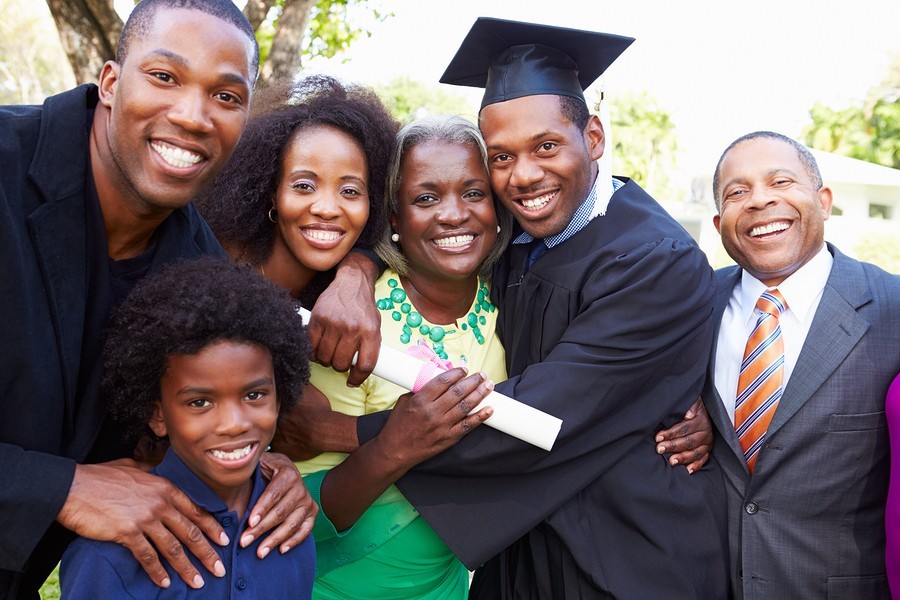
(511, 59)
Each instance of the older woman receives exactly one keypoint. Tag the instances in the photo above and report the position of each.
(443, 239)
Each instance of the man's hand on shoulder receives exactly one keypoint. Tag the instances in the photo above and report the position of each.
(119, 502)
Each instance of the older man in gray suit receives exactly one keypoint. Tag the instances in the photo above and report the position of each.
(808, 342)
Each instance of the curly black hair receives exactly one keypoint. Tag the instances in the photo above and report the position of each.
(184, 308)
(237, 202)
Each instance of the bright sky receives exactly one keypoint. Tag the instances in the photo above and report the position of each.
(722, 68)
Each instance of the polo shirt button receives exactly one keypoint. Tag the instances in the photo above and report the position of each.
(240, 583)
(226, 522)
(370, 547)
(751, 508)
(341, 559)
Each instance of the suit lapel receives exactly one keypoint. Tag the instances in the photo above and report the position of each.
(835, 330)
(58, 237)
(727, 279)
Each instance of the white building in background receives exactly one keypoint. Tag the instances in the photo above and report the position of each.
(866, 206)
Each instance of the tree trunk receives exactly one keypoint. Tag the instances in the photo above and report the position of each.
(88, 30)
(284, 57)
(256, 11)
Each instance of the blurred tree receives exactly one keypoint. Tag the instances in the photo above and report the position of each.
(409, 99)
(287, 31)
(882, 249)
(868, 131)
(32, 65)
(645, 144)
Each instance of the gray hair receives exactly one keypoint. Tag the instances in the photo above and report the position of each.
(452, 130)
(803, 153)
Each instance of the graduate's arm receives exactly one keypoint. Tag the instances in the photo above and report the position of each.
(631, 362)
(345, 320)
(420, 426)
(311, 427)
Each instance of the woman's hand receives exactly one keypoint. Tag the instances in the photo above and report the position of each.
(420, 426)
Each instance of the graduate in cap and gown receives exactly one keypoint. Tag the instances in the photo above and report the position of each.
(604, 304)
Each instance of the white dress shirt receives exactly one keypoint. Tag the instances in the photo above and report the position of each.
(802, 291)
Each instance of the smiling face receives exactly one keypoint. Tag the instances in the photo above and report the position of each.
(542, 165)
(170, 116)
(445, 211)
(771, 217)
(322, 201)
(219, 410)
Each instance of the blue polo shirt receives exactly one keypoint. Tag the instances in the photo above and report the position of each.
(91, 570)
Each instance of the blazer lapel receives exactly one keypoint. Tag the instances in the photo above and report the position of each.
(727, 279)
(58, 237)
(835, 330)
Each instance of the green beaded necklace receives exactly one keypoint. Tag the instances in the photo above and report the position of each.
(398, 305)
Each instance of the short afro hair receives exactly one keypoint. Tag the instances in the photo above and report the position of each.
(803, 153)
(141, 20)
(237, 202)
(184, 308)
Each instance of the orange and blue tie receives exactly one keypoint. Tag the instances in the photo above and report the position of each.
(760, 382)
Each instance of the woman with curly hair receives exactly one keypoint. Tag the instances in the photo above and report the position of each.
(207, 354)
(305, 183)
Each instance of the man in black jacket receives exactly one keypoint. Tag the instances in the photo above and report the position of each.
(95, 191)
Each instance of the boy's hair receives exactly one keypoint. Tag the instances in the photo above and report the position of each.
(184, 308)
(141, 20)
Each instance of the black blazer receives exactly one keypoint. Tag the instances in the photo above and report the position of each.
(43, 254)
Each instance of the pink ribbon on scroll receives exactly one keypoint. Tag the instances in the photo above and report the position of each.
(433, 363)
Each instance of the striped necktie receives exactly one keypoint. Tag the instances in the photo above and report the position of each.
(760, 380)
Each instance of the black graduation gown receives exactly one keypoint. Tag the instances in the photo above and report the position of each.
(611, 332)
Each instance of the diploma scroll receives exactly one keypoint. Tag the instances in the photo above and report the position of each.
(510, 416)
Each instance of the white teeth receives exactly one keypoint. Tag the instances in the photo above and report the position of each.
(454, 241)
(234, 454)
(177, 157)
(770, 228)
(318, 234)
(537, 203)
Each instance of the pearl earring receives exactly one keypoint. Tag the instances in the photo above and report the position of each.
(498, 229)
(395, 237)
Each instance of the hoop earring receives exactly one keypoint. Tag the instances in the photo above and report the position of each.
(395, 237)
(273, 215)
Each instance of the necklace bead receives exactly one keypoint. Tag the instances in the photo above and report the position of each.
(434, 333)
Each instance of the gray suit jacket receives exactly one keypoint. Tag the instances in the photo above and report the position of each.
(809, 523)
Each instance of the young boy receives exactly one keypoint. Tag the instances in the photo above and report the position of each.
(206, 353)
